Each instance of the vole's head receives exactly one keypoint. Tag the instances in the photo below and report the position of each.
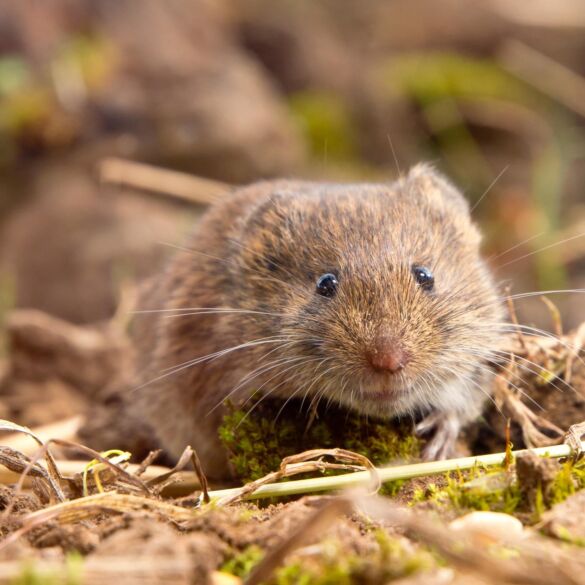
(379, 292)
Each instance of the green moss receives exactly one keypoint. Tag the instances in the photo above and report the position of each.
(7, 303)
(391, 488)
(242, 564)
(299, 574)
(429, 492)
(498, 490)
(14, 75)
(70, 574)
(257, 442)
(30, 576)
(545, 489)
(389, 561)
(565, 535)
(327, 124)
(494, 490)
(431, 77)
(246, 514)
(476, 489)
(93, 57)
(570, 479)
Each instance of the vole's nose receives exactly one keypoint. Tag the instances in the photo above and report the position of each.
(388, 354)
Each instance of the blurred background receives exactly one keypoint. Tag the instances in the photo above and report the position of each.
(491, 91)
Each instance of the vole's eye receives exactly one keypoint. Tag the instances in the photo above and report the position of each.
(327, 285)
(424, 277)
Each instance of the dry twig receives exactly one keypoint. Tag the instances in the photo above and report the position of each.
(181, 186)
(549, 76)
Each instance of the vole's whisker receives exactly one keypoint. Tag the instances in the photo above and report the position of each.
(280, 363)
(521, 296)
(502, 299)
(248, 377)
(306, 386)
(297, 391)
(203, 311)
(502, 357)
(429, 389)
(193, 251)
(280, 373)
(470, 308)
(550, 246)
(222, 352)
(515, 386)
(521, 362)
(294, 341)
(264, 368)
(489, 188)
(210, 357)
(466, 379)
(314, 382)
(221, 312)
(273, 390)
(515, 247)
(252, 375)
(536, 332)
(529, 331)
(291, 397)
(343, 388)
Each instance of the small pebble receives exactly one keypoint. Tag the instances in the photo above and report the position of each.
(491, 526)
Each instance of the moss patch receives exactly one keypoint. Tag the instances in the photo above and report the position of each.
(389, 559)
(257, 442)
(327, 124)
(503, 490)
(241, 565)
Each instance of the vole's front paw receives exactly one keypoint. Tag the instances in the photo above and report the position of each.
(573, 438)
(444, 428)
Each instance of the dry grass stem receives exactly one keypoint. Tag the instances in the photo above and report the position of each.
(547, 75)
(306, 462)
(181, 186)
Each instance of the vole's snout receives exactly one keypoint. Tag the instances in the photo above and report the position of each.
(387, 354)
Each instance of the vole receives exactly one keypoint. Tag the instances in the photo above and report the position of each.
(373, 296)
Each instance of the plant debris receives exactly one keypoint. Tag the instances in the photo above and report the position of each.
(108, 499)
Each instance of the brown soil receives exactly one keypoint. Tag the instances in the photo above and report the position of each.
(191, 548)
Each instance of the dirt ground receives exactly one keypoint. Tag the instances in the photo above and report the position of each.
(129, 526)
(235, 91)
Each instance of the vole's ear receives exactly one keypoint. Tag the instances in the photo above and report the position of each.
(431, 185)
(424, 182)
(270, 203)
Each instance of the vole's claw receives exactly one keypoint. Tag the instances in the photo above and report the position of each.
(445, 427)
(427, 424)
(573, 438)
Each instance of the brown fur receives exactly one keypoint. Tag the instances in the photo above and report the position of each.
(263, 251)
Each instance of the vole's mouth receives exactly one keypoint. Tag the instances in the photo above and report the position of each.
(381, 395)
(382, 386)
(378, 400)
(383, 390)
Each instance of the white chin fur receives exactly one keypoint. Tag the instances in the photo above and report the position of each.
(455, 397)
